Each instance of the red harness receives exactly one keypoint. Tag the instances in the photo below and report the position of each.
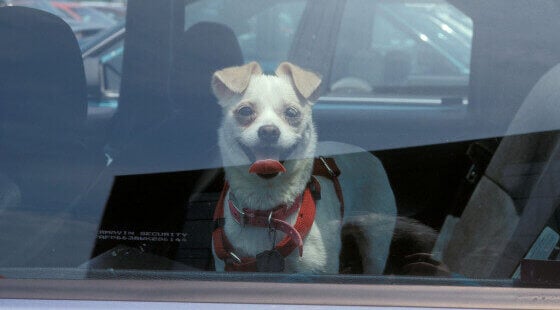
(275, 219)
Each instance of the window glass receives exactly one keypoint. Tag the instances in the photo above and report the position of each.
(404, 141)
(84, 19)
(401, 47)
(111, 64)
(265, 32)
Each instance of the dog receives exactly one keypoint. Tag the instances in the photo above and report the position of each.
(268, 144)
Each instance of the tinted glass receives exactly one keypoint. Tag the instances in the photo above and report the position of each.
(404, 141)
(396, 48)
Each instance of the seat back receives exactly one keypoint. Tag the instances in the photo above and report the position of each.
(201, 50)
(185, 137)
(42, 77)
(185, 140)
(517, 194)
(46, 166)
(43, 106)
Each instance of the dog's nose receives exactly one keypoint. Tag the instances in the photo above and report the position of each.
(269, 133)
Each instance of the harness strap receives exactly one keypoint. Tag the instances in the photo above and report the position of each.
(224, 249)
(325, 167)
(261, 218)
(267, 219)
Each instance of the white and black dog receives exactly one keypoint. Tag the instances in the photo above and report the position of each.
(270, 217)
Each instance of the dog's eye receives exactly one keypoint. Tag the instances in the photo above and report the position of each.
(291, 112)
(245, 111)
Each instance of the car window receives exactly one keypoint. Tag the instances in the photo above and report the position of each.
(258, 33)
(265, 33)
(400, 47)
(92, 16)
(375, 145)
(111, 64)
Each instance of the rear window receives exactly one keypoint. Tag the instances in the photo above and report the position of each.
(401, 48)
(265, 32)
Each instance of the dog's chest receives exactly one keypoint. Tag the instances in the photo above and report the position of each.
(321, 246)
(249, 240)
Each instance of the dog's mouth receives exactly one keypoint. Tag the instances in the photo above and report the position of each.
(267, 168)
(268, 162)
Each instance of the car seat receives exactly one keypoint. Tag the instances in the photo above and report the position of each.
(43, 110)
(185, 140)
(515, 197)
(186, 136)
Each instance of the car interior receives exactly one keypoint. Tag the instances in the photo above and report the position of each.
(475, 184)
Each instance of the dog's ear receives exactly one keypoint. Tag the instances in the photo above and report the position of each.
(305, 82)
(233, 80)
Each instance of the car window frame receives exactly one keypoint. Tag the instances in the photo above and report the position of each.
(228, 293)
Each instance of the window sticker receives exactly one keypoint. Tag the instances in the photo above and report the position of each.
(153, 236)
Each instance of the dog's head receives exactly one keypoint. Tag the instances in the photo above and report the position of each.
(267, 123)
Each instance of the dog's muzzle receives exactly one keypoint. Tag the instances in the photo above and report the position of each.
(267, 161)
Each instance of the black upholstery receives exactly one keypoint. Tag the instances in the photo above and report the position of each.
(186, 139)
(203, 49)
(42, 80)
(43, 107)
(43, 110)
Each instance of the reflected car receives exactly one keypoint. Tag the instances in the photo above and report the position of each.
(84, 21)
(427, 46)
(116, 11)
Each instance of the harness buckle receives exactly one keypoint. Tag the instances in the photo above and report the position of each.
(242, 214)
(243, 218)
(235, 257)
(329, 170)
(269, 220)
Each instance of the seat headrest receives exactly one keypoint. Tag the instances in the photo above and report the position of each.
(540, 111)
(201, 50)
(42, 80)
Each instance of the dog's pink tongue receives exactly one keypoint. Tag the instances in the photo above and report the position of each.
(267, 166)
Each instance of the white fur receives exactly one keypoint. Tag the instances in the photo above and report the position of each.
(269, 96)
